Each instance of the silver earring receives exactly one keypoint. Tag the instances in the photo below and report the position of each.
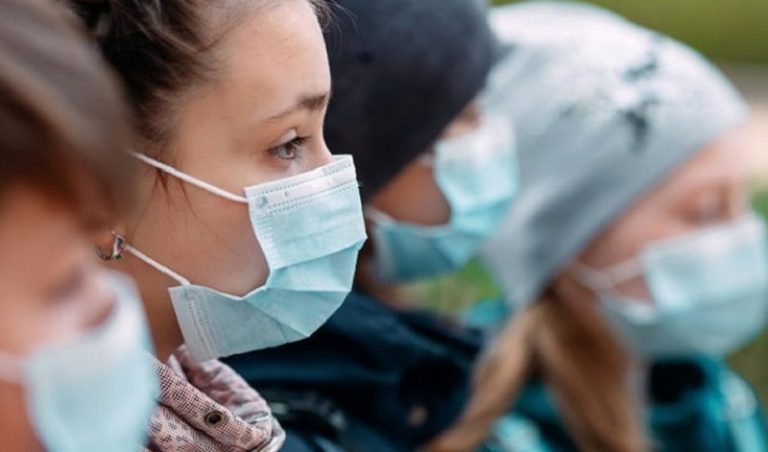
(116, 253)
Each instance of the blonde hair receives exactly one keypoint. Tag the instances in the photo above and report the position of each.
(569, 345)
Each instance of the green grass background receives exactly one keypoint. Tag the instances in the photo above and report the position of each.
(725, 30)
(752, 361)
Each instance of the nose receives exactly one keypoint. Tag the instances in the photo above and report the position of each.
(322, 156)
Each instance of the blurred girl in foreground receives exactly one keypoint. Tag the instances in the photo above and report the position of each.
(74, 373)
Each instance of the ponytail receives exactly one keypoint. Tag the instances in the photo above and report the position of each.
(587, 371)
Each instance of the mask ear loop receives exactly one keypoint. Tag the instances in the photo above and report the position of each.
(377, 216)
(157, 266)
(606, 282)
(120, 246)
(427, 160)
(189, 179)
(609, 279)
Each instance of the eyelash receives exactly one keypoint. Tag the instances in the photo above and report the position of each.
(291, 146)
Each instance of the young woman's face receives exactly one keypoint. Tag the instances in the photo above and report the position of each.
(416, 183)
(709, 189)
(51, 290)
(260, 120)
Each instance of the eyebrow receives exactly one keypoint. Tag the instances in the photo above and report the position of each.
(310, 103)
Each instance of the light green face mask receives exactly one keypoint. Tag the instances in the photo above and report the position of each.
(477, 174)
(310, 228)
(709, 292)
(97, 392)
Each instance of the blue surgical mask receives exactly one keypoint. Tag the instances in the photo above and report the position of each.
(709, 292)
(94, 393)
(477, 174)
(310, 228)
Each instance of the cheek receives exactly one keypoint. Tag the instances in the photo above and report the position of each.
(617, 244)
(206, 239)
(614, 247)
(414, 197)
(627, 238)
(27, 323)
(637, 229)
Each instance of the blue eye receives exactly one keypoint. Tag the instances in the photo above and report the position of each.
(289, 150)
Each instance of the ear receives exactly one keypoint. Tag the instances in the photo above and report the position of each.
(109, 243)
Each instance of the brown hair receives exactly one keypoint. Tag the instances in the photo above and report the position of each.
(571, 348)
(63, 121)
(161, 49)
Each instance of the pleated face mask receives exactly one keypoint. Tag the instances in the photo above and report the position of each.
(477, 174)
(310, 228)
(709, 292)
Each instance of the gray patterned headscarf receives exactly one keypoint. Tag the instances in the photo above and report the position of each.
(604, 110)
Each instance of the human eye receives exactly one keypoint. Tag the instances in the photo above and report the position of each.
(289, 150)
(68, 288)
(710, 210)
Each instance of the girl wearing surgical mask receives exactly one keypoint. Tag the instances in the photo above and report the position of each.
(437, 172)
(74, 374)
(406, 78)
(246, 229)
(631, 264)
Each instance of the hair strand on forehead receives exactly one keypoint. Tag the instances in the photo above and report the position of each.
(162, 50)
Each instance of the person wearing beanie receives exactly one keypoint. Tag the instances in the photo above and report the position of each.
(630, 262)
(406, 79)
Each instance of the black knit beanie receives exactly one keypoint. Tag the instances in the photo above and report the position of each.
(402, 71)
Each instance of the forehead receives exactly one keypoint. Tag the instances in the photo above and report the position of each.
(722, 159)
(273, 58)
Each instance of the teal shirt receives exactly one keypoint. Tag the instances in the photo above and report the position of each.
(694, 405)
(717, 413)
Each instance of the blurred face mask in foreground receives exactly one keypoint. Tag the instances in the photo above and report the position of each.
(709, 292)
(94, 393)
(477, 174)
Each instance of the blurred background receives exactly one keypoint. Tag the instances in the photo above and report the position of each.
(734, 33)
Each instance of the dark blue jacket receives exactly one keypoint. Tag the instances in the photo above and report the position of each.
(396, 378)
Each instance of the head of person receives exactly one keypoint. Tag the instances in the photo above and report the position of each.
(245, 225)
(631, 238)
(407, 77)
(62, 177)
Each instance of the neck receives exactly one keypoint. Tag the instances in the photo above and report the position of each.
(16, 429)
(166, 334)
(153, 286)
